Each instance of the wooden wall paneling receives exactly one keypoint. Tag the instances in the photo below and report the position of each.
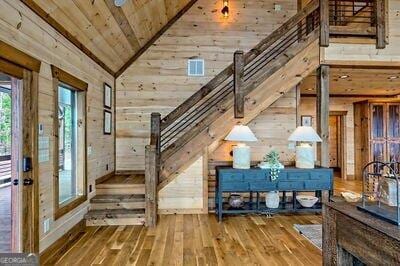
(24, 30)
(186, 193)
(158, 80)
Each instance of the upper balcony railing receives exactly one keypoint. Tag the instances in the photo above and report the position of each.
(357, 18)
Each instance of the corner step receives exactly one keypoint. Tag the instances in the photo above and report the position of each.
(115, 217)
(113, 202)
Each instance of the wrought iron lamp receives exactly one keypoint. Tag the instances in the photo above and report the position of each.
(241, 152)
(305, 154)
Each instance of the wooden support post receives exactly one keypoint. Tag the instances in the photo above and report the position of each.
(323, 114)
(152, 164)
(380, 24)
(238, 61)
(151, 180)
(155, 131)
(324, 23)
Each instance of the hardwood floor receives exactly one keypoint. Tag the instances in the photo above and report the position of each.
(198, 240)
(201, 240)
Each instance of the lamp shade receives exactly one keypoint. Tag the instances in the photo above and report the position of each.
(241, 133)
(305, 133)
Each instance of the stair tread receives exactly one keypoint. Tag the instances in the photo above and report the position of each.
(115, 214)
(124, 179)
(117, 198)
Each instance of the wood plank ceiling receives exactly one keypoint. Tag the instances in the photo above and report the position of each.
(358, 81)
(112, 34)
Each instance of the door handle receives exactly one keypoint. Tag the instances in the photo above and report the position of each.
(28, 181)
(15, 182)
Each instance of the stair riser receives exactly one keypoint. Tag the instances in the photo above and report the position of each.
(115, 221)
(115, 206)
(120, 191)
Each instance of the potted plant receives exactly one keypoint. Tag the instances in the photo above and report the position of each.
(271, 161)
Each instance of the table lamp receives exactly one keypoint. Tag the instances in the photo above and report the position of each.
(241, 152)
(305, 136)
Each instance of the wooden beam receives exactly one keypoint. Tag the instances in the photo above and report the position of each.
(324, 23)
(154, 38)
(123, 24)
(151, 182)
(323, 114)
(17, 57)
(380, 24)
(238, 88)
(58, 27)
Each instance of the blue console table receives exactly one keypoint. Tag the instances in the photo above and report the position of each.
(256, 180)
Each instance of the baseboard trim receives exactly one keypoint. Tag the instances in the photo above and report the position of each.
(51, 254)
(104, 178)
(180, 211)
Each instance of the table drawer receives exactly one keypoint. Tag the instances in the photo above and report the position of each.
(232, 177)
(254, 176)
(290, 185)
(235, 186)
(320, 176)
(263, 186)
(298, 176)
(317, 185)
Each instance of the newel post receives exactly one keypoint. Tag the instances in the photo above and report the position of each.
(238, 72)
(324, 23)
(152, 163)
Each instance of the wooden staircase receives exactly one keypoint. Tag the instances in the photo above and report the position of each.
(120, 200)
(238, 94)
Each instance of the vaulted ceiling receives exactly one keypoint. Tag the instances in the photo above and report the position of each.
(112, 34)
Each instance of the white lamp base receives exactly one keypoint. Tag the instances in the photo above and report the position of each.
(241, 156)
(305, 156)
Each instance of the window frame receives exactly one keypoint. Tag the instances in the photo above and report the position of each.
(63, 79)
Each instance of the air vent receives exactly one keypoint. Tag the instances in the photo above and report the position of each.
(196, 67)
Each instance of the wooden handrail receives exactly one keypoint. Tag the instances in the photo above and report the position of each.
(228, 71)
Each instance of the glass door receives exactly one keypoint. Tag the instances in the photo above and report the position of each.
(393, 135)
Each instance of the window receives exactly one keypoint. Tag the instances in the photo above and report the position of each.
(69, 185)
(196, 67)
(70, 142)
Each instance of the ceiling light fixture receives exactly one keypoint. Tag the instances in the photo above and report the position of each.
(225, 9)
(119, 3)
(344, 76)
(393, 77)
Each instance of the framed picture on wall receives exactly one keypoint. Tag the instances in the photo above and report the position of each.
(107, 96)
(107, 122)
(306, 120)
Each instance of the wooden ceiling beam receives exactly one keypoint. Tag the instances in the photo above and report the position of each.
(58, 27)
(154, 38)
(123, 24)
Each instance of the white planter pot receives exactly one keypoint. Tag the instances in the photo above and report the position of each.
(272, 199)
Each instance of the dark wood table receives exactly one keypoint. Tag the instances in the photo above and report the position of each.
(353, 237)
